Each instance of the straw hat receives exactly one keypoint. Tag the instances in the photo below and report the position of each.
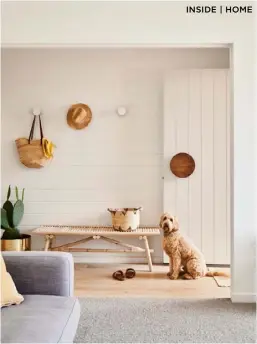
(79, 116)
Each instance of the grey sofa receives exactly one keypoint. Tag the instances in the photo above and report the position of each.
(49, 312)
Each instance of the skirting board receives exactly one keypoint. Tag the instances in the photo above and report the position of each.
(113, 259)
(243, 298)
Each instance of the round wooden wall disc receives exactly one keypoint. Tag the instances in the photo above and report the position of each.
(182, 165)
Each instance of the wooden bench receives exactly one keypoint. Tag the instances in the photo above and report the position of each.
(97, 233)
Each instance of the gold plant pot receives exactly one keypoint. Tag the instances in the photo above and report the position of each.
(23, 244)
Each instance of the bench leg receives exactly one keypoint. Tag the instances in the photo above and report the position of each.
(148, 254)
(48, 241)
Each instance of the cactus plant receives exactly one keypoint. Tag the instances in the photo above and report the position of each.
(11, 215)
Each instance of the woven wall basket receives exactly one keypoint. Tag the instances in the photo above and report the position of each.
(125, 219)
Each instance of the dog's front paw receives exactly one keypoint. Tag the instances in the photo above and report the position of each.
(173, 277)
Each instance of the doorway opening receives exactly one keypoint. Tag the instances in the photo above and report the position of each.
(177, 99)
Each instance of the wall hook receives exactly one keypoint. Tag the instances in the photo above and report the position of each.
(36, 111)
(121, 110)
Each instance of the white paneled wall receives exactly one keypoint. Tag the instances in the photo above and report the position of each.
(115, 161)
(197, 121)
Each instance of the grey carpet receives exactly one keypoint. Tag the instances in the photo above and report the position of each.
(152, 320)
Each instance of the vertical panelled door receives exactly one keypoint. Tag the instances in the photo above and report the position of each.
(197, 121)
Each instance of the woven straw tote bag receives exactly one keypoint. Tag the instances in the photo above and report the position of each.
(30, 151)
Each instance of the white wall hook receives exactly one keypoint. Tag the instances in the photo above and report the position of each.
(36, 111)
(121, 111)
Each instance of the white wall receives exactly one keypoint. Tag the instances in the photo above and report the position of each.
(166, 23)
(115, 162)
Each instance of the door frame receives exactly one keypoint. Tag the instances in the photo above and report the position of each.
(229, 46)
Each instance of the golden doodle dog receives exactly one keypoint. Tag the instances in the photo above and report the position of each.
(185, 258)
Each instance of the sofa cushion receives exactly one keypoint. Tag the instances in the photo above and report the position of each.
(41, 319)
(9, 293)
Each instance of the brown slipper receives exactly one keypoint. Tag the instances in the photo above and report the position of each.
(118, 275)
(130, 273)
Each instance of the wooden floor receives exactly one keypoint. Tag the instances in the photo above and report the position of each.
(96, 281)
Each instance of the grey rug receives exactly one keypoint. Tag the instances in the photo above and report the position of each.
(157, 320)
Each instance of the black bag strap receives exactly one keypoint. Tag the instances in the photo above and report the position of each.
(31, 134)
(32, 129)
(41, 130)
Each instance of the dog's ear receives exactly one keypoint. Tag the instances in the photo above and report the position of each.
(163, 216)
(175, 223)
(161, 220)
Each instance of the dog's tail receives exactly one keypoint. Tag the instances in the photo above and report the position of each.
(217, 273)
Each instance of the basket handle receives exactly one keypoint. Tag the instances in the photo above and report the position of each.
(41, 130)
(110, 210)
(31, 134)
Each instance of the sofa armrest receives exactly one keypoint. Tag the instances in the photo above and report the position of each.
(40, 272)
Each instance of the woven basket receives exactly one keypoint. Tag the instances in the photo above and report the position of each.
(125, 219)
(31, 154)
(30, 151)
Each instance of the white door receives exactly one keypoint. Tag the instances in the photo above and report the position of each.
(197, 121)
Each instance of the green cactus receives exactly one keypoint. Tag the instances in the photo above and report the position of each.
(11, 215)
(4, 219)
(8, 206)
(18, 212)
(17, 193)
(8, 193)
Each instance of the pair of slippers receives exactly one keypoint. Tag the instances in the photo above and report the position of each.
(120, 276)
